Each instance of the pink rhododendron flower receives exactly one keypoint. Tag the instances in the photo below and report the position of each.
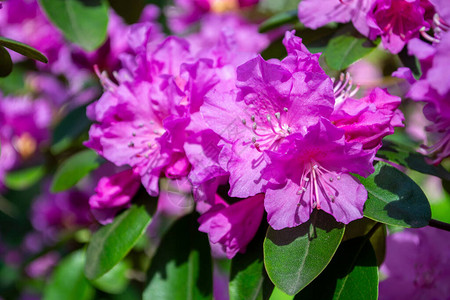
(315, 14)
(24, 21)
(24, 125)
(369, 119)
(233, 226)
(314, 174)
(53, 213)
(113, 194)
(397, 21)
(273, 100)
(417, 265)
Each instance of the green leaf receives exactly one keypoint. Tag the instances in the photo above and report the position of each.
(346, 49)
(181, 267)
(130, 11)
(111, 243)
(248, 279)
(74, 169)
(70, 127)
(115, 281)
(23, 49)
(394, 198)
(24, 178)
(352, 274)
(279, 20)
(68, 281)
(410, 159)
(277, 6)
(6, 64)
(295, 256)
(83, 22)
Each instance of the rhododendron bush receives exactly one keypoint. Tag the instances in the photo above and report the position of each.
(225, 149)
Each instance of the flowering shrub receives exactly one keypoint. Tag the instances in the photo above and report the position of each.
(224, 149)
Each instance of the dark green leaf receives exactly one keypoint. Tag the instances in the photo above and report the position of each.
(352, 274)
(23, 49)
(5, 63)
(74, 169)
(71, 127)
(394, 198)
(115, 281)
(83, 22)
(111, 243)
(68, 281)
(24, 178)
(130, 11)
(411, 159)
(411, 62)
(346, 49)
(14, 83)
(279, 20)
(181, 267)
(248, 279)
(295, 256)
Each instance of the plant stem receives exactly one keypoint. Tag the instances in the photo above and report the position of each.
(439, 225)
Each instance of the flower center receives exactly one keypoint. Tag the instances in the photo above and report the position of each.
(270, 131)
(344, 88)
(317, 179)
(220, 6)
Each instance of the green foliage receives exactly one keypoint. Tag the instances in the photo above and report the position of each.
(278, 20)
(295, 256)
(351, 274)
(181, 268)
(410, 62)
(68, 281)
(394, 198)
(115, 281)
(407, 157)
(111, 243)
(343, 50)
(74, 169)
(24, 178)
(83, 22)
(70, 128)
(248, 278)
(23, 49)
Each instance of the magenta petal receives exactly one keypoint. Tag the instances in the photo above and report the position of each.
(224, 224)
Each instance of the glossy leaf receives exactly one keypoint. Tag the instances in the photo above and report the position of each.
(68, 281)
(24, 178)
(115, 281)
(394, 198)
(111, 243)
(346, 49)
(279, 20)
(23, 49)
(181, 268)
(352, 274)
(295, 256)
(411, 159)
(6, 64)
(73, 169)
(82, 22)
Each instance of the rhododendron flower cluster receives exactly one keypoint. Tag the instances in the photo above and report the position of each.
(224, 149)
(268, 125)
(396, 21)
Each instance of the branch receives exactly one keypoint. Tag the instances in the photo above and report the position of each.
(439, 225)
